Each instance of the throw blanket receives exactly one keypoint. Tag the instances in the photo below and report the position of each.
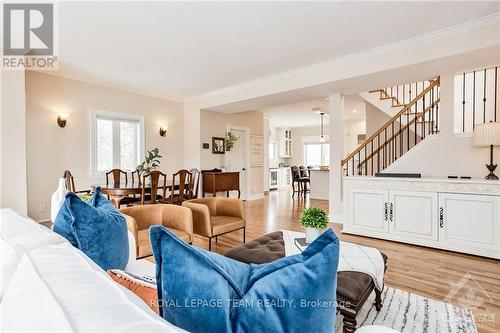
(353, 257)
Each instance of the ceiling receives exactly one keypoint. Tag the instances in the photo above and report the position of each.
(302, 115)
(179, 50)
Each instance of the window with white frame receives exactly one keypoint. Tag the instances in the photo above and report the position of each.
(117, 141)
(273, 154)
(316, 154)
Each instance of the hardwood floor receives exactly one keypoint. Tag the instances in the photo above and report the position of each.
(424, 271)
(420, 270)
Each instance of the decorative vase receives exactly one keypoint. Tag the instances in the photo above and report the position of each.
(312, 234)
(57, 199)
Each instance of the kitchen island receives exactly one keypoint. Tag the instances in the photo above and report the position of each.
(319, 183)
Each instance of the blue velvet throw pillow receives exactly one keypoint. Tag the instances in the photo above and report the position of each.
(97, 228)
(201, 291)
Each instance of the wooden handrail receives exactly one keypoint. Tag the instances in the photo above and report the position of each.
(393, 119)
(404, 128)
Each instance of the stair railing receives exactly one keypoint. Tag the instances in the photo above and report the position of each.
(418, 119)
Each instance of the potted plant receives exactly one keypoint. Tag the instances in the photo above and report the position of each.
(151, 162)
(230, 141)
(314, 220)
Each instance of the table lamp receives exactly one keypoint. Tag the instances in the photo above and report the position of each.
(488, 134)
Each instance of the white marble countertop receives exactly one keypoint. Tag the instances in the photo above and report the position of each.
(425, 179)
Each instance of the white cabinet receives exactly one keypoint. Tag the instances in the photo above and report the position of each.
(471, 222)
(368, 210)
(285, 142)
(284, 177)
(413, 214)
(452, 215)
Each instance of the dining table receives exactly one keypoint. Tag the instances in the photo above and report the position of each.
(118, 191)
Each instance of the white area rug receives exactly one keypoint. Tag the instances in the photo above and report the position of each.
(407, 312)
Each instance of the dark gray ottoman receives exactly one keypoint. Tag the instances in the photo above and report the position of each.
(353, 288)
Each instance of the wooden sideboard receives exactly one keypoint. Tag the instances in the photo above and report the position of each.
(214, 182)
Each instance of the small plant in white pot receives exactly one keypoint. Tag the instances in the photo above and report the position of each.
(314, 220)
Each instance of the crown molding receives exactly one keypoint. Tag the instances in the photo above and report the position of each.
(112, 86)
(377, 51)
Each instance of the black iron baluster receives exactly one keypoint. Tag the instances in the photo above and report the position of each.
(359, 163)
(371, 171)
(353, 166)
(392, 142)
(473, 100)
(399, 135)
(385, 141)
(463, 106)
(496, 92)
(423, 118)
(484, 98)
(378, 152)
(366, 164)
(432, 111)
(408, 129)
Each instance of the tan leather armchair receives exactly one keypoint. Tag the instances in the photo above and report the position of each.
(216, 216)
(177, 219)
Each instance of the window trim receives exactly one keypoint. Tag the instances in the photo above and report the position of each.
(322, 150)
(94, 114)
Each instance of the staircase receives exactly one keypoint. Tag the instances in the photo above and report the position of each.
(417, 117)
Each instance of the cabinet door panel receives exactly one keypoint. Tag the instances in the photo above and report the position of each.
(414, 214)
(367, 209)
(470, 221)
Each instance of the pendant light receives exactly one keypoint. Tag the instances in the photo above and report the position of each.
(322, 136)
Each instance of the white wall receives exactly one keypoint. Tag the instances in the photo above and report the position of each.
(13, 184)
(51, 150)
(214, 125)
(446, 154)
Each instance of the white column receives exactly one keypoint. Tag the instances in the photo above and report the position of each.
(336, 112)
(13, 183)
(192, 136)
(446, 107)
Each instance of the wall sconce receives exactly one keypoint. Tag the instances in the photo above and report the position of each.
(163, 130)
(62, 119)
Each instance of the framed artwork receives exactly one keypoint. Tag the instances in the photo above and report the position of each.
(257, 150)
(218, 145)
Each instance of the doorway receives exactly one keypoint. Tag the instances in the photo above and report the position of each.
(238, 159)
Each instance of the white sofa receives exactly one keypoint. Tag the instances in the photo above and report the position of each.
(49, 286)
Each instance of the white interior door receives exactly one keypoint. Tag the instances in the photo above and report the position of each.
(236, 160)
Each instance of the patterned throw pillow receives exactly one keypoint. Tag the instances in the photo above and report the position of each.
(142, 286)
(201, 291)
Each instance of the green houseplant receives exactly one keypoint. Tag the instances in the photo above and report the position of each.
(151, 162)
(230, 141)
(314, 220)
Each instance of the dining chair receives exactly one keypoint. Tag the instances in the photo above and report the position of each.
(196, 182)
(69, 181)
(118, 174)
(183, 188)
(304, 174)
(157, 180)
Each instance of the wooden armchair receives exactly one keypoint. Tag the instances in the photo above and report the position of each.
(177, 219)
(216, 216)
